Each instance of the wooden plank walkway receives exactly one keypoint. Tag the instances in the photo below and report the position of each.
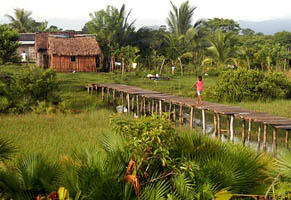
(148, 102)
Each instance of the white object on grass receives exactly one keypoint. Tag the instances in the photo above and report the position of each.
(119, 109)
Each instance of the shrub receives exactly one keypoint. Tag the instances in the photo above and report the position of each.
(8, 44)
(22, 92)
(242, 84)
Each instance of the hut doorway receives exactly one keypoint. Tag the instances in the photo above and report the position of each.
(45, 61)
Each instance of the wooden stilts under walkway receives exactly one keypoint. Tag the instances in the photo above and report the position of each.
(160, 102)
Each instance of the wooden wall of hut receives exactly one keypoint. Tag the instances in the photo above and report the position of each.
(65, 63)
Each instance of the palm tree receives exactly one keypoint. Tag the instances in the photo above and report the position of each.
(21, 20)
(221, 48)
(6, 149)
(31, 176)
(180, 20)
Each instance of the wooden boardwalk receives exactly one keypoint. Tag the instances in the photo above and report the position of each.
(144, 102)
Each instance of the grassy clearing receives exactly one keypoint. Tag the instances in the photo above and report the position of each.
(58, 135)
(55, 135)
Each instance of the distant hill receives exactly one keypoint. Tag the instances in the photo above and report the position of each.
(268, 27)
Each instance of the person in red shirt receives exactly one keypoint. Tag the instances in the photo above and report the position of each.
(199, 86)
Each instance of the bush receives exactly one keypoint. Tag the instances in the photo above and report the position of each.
(9, 44)
(242, 84)
(22, 92)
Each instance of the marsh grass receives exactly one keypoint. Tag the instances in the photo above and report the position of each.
(57, 135)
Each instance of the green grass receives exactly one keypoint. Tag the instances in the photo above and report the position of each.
(55, 135)
(58, 135)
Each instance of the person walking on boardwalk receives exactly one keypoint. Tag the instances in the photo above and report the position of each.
(199, 86)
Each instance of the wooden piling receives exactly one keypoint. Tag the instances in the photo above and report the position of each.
(137, 106)
(203, 122)
(91, 88)
(153, 106)
(265, 137)
(215, 123)
(160, 107)
(165, 107)
(96, 88)
(122, 101)
(128, 103)
(114, 97)
(102, 94)
(259, 138)
(88, 89)
(243, 134)
(170, 110)
(232, 128)
(286, 139)
(181, 114)
(141, 106)
(249, 130)
(191, 116)
(132, 103)
(108, 95)
(149, 106)
(144, 106)
(218, 125)
(228, 126)
(274, 140)
(174, 116)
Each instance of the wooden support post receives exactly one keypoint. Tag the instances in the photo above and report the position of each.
(215, 123)
(149, 106)
(274, 140)
(141, 106)
(286, 139)
(128, 103)
(175, 116)
(259, 138)
(108, 95)
(153, 106)
(88, 89)
(232, 128)
(122, 101)
(181, 115)
(228, 126)
(265, 137)
(157, 108)
(218, 125)
(132, 103)
(137, 106)
(243, 134)
(165, 107)
(91, 88)
(114, 97)
(249, 130)
(160, 107)
(144, 106)
(102, 94)
(191, 116)
(96, 88)
(170, 110)
(203, 122)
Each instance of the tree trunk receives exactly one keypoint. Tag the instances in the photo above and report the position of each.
(182, 73)
(161, 69)
(122, 64)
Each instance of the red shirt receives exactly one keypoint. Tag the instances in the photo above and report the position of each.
(199, 85)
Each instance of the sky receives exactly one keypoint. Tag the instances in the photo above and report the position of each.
(73, 14)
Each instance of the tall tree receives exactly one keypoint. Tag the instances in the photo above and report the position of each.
(222, 47)
(21, 20)
(180, 19)
(8, 44)
(111, 28)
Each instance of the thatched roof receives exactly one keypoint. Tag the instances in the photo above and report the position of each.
(41, 39)
(79, 45)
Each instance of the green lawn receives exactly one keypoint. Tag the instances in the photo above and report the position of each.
(57, 134)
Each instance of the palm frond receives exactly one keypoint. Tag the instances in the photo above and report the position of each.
(6, 149)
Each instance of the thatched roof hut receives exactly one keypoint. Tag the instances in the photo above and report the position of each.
(67, 52)
(73, 46)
